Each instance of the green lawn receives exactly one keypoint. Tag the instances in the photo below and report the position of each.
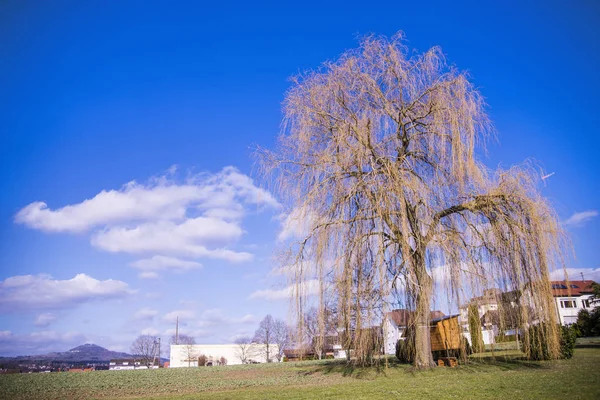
(588, 341)
(484, 378)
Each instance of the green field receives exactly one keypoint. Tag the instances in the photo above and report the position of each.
(485, 378)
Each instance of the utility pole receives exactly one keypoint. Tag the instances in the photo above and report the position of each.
(155, 351)
(177, 331)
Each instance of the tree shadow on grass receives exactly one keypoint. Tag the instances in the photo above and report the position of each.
(480, 364)
(506, 363)
(346, 369)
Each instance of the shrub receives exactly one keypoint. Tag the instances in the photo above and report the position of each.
(536, 347)
(503, 338)
(466, 349)
(475, 329)
(405, 348)
(404, 352)
(589, 322)
(568, 336)
(202, 359)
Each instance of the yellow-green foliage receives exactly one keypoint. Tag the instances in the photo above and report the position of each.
(475, 329)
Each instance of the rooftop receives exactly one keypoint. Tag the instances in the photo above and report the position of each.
(571, 288)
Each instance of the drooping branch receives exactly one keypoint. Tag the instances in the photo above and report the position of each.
(377, 151)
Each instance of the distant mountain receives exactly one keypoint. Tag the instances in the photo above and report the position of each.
(84, 353)
(87, 352)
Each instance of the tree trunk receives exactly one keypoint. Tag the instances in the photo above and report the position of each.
(268, 355)
(423, 357)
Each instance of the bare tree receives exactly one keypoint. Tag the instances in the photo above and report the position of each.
(144, 347)
(316, 327)
(378, 157)
(272, 331)
(264, 335)
(281, 337)
(311, 332)
(182, 339)
(245, 349)
(189, 347)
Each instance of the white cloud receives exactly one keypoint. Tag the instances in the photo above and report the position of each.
(200, 217)
(145, 314)
(581, 218)
(188, 304)
(150, 266)
(238, 335)
(160, 199)
(150, 331)
(212, 317)
(41, 291)
(296, 224)
(195, 333)
(286, 270)
(207, 320)
(575, 274)
(38, 342)
(43, 320)
(308, 266)
(148, 275)
(248, 319)
(215, 317)
(310, 287)
(184, 316)
(191, 238)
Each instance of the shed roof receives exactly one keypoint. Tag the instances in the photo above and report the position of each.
(402, 317)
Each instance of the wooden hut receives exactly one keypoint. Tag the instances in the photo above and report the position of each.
(445, 333)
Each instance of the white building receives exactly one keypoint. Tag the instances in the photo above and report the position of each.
(187, 355)
(571, 297)
(129, 364)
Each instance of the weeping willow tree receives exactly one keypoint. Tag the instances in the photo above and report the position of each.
(377, 160)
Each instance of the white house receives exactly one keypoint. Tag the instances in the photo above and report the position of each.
(487, 305)
(394, 325)
(187, 355)
(571, 297)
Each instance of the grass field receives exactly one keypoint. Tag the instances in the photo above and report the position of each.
(588, 342)
(484, 378)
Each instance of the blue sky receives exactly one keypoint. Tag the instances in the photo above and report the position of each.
(140, 119)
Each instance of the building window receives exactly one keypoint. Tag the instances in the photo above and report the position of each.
(568, 304)
(585, 303)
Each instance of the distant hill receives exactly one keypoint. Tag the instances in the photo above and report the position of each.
(84, 353)
(87, 352)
